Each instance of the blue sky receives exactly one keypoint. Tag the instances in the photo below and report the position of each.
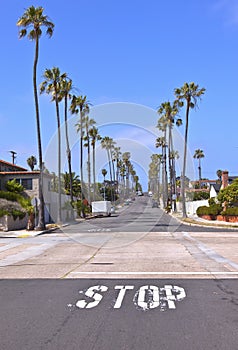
(127, 51)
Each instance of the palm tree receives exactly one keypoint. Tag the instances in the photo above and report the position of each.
(76, 184)
(126, 159)
(116, 154)
(31, 23)
(94, 135)
(52, 85)
(87, 123)
(168, 112)
(108, 144)
(65, 89)
(104, 173)
(79, 104)
(189, 94)
(154, 174)
(31, 161)
(161, 142)
(198, 155)
(219, 174)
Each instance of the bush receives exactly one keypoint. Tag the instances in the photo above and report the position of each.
(197, 196)
(211, 201)
(230, 212)
(16, 197)
(214, 209)
(13, 186)
(17, 214)
(203, 210)
(3, 212)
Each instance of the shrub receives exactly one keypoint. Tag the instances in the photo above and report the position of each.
(214, 209)
(17, 214)
(203, 210)
(3, 212)
(230, 211)
(16, 197)
(197, 196)
(10, 196)
(13, 186)
(211, 201)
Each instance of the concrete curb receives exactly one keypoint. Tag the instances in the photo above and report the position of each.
(199, 223)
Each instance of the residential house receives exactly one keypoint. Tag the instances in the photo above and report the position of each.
(226, 180)
(30, 181)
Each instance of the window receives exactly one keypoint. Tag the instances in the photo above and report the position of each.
(26, 183)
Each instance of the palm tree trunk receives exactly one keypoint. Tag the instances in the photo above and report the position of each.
(199, 169)
(170, 150)
(81, 158)
(110, 170)
(89, 170)
(184, 163)
(68, 149)
(41, 219)
(94, 172)
(68, 155)
(59, 218)
(165, 182)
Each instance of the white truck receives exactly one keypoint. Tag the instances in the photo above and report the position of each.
(101, 208)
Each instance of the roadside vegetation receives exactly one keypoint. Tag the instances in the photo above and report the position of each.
(14, 201)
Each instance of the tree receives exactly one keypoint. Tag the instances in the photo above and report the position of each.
(161, 142)
(228, 196)
(94, 135)
(188, 94)
(64, 94)
(76, 184)
(219, 174)
(31, 161)
(31, 23)
(168, 112)
(108, 144)
(88, 122)
(116, 158)
(79, 104)
(154, 174)
(126, 160)
(199, 155)
(104, 173)
(52, 85)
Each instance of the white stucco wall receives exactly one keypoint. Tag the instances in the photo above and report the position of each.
(191, 207)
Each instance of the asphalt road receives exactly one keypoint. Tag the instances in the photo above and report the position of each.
(139, 216)
(120, 314)
(137, 280)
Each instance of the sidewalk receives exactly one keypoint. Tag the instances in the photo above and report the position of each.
(25, 233)
(195, 220)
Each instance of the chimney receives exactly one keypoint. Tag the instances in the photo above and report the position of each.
(224, 179)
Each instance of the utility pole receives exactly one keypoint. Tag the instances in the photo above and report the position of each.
(13, 156)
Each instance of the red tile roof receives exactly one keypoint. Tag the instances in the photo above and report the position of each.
(19, 172)
(12, 165)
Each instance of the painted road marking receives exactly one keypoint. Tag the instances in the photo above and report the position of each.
(146, 298)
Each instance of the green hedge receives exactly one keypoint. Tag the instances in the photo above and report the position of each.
(214, 209)
(230, 211)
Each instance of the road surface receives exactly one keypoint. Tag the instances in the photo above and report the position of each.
(136, 280)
